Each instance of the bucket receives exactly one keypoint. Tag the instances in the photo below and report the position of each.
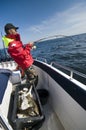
(43, 95)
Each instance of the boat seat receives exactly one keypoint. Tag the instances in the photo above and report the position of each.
(5, 92)
(3, 84)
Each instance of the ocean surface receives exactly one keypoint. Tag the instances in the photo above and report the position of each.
(68, 51)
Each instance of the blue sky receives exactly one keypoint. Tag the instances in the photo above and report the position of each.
(41, 18)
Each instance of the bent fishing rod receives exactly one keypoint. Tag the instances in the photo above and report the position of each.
(53, 37)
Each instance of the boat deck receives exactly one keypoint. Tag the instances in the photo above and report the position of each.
(51, 122)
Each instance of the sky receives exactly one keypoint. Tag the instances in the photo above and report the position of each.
(42, 18)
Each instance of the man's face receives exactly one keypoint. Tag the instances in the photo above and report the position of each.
(12, 31)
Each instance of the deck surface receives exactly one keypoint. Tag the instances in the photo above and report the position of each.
(51, 120)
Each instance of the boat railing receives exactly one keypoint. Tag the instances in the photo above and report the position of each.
(70, 72)
(41, 59)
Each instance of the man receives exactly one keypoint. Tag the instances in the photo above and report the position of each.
(19, 52)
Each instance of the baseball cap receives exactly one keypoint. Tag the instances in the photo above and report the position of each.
(9, 26)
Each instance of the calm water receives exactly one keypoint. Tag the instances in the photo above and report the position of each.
(68, 51)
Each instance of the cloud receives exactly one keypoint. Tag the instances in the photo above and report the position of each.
(69, 22)
(73, 17)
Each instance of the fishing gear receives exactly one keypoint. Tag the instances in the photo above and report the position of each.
(53, 37)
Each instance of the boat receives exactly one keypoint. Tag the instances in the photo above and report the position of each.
(58, 96)
(63, 107)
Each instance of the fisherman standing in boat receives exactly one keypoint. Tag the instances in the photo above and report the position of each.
(19, 52)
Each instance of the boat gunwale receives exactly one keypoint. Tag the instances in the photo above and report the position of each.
(74, 90)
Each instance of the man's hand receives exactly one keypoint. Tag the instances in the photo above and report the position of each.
(31, 44)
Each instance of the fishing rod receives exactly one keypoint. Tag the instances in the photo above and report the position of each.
(53, 37)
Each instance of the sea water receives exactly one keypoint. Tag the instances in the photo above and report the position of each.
(67, 51)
